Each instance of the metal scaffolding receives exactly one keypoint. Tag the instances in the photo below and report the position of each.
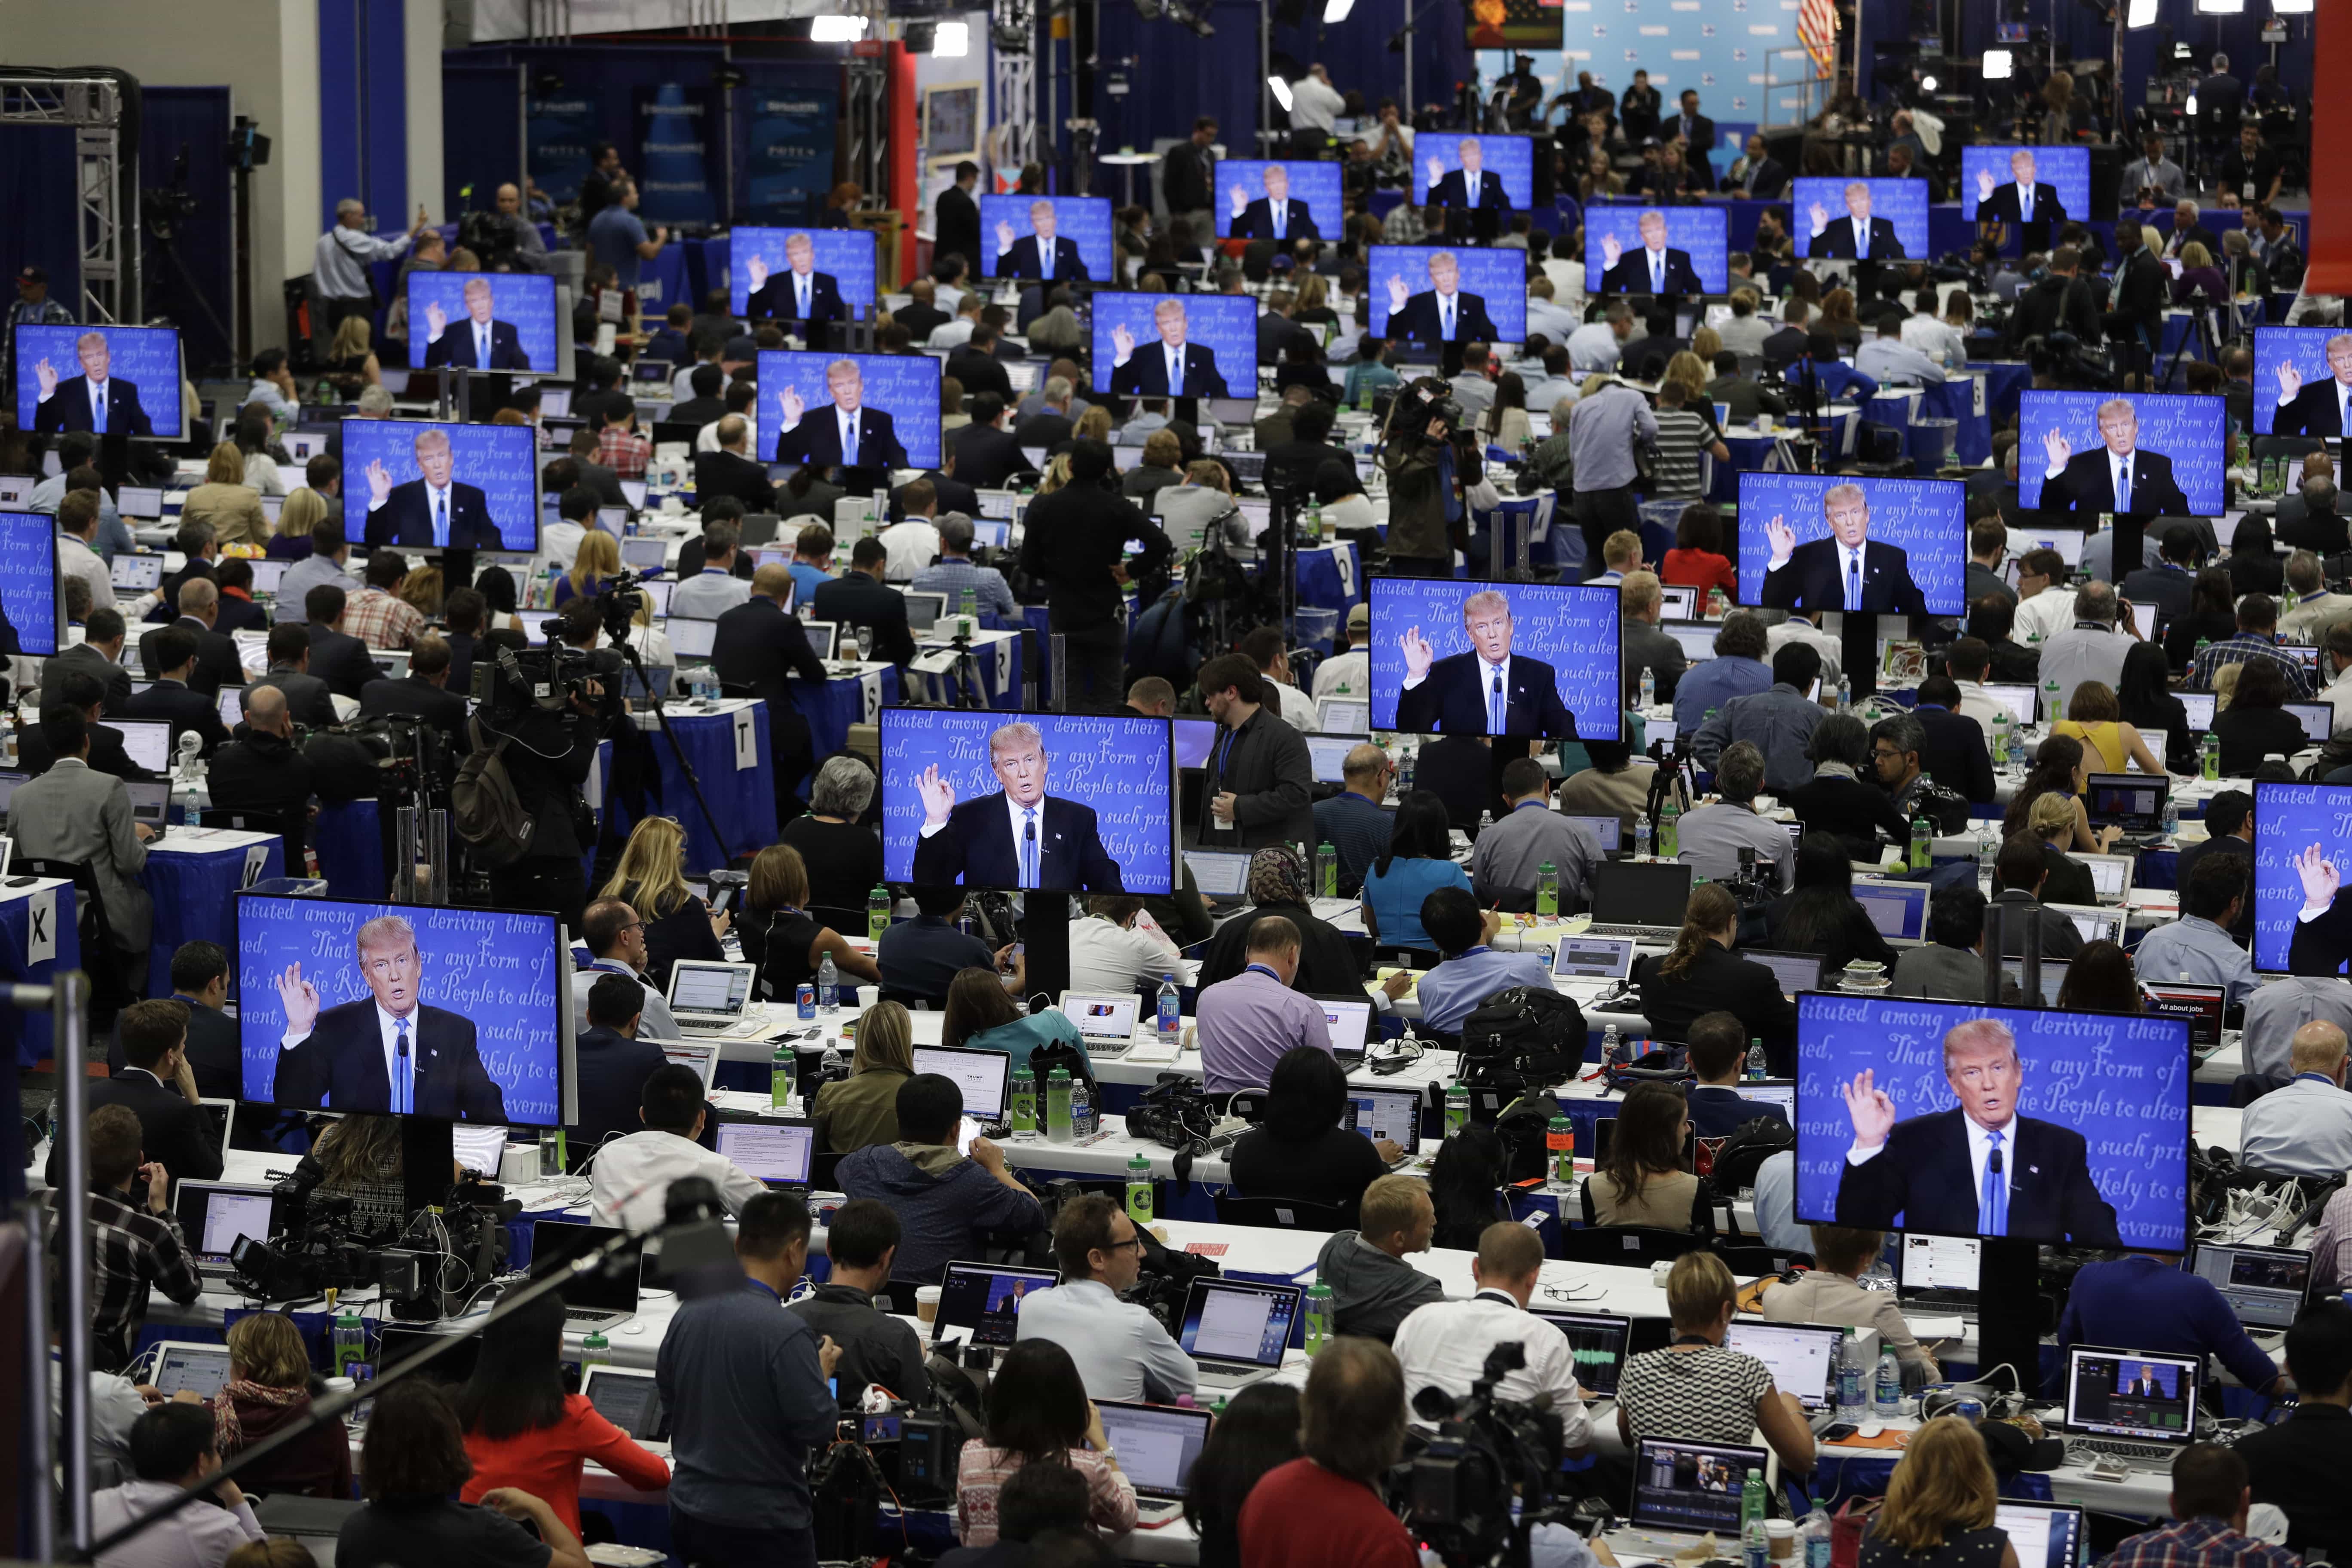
(106, 185)
(1013, 116)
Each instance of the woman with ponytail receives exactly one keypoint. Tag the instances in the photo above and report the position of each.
(1700, 973)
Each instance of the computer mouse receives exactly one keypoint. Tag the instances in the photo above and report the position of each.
(634, 1326)
(1869, 1429)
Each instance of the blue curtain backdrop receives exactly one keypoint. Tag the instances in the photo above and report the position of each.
(196, 297)
(482, 131)
(36, 207)
(364, 109)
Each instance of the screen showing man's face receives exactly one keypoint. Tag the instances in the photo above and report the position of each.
(1019, 767)
(1490, 631)
(1277, 185)
(1444, 273)
(799, 253)
(436, 459)
(1849, 520)
(392, 973)
(478, 301)
(1857, 201)
(2021, 166)
(1041, 220)
(1654, 231)
(1985, 1075)
(1472, 157)
(94, 357)
(1170, 319)
(847, 386)
(2339, 358)
(2119, 430)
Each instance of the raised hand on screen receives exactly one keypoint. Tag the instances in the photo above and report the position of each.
(2319, 876)
(1984, 185)
(1613, 250)
(300, 998)
(1122, 343)
(1417, 655)
(379, 479)
(1819, 214)
(436, 320)
(1436, 171)
(793, 406)
(1004, 236)
(1397, 295)
(1241, 199)
(2290, 381)
(1782, 539)
(47, 375)
(757, 271)
(939, 796)
(2056, 447)
(1872, 1112)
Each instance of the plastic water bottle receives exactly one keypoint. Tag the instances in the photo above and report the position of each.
(828, 986)
(2052, 707)
(779, 1076)
(349, 1342)
(1457, 1109)
(1641, 838)
(1560, 1143)
(1755, 1538)
(595, 1350)
(1486, 821)
(1845, 692)
(1057, 1105)
(1139, 1189)
(2209, 752)
(1889, 1399)
(1610, 1044)
(1327, 870)
(1082, 1111)
(2016, 750)
(1758, 1065)
(1649, 686)
(1404, 772)
(1170, 1011)
(1023, 1102)
(2170, 821)
(1318, 1317)
(1670, 831)
(1923, 843)
(1547, 889)
(1819, 1539)
(878, 912)
(1987, 848)
(1854, 1402)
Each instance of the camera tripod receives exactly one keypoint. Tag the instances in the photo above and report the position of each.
(618, 603)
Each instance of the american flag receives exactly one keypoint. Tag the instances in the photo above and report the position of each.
(1816, 30)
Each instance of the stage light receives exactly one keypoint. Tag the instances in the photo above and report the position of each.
(1337, 10)
(952, 41)
(1998, 65)
(2220, 7)
(2290, 7)
(2189, 108)
(1926, 84)
(836, 29)
(1281, 90)
(2140, 13)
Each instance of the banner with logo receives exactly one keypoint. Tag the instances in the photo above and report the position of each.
(789, 168)
(675, 123)
(559, 132)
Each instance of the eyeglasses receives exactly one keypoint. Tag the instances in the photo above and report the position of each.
(1135, 1241)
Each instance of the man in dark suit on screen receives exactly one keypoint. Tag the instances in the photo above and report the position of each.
(1655, 269)
(1019, 837)
(387, 1051)
(2146, 1385)
(2115, 476)
(96, 400)
(1441, 313)
(1489, 689)
(433, 509)
(2323, 927)
(1846, 570)
(2317, 407)
(2031, 203)
(477, 343)
(843, 430)
(798, 294)
(1025, 257)
(1979, 1170)
(1168, 368)
(1273, 215)
(1857, 235)
(1470, 186)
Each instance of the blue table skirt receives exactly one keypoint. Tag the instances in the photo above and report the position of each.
(998, 665)
(743, 799)
(33, 1031)
(2004, 380)
(196, 896)
(831, 708)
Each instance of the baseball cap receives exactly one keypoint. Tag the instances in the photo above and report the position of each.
(32, 275)
(1359, 617)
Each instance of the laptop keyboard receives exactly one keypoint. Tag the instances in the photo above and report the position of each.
(1640, 933)
(2148, 1453)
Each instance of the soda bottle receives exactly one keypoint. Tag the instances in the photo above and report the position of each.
(1923, 841)
(878, 912)
(779, 1076)
(1318, 1317)
(1547, 889)
(1057, 1105)
(1171, 1010)
(1139, 1189)
(1560, 1142)
(828, 986)
(1326, 869)
(1669, 830)
(1024, 1098)
(1457, 1109)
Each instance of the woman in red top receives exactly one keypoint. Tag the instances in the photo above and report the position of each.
(523, 1431)
(1697, 559)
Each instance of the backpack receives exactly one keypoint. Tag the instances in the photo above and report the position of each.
(1048, 1055)
(1744, 1151)
(1522, 1128)
(1525, 1037)
(484, 806)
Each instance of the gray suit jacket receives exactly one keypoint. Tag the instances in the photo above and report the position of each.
(83, 660)
(1946, 973)
(72, 814)
(1647, 648)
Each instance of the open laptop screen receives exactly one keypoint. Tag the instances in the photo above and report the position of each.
(1801, 1357)
(1596, 1342)
(1240, 1322)
(1938, 1262)
(1608, 831)
(981, 1075)
(1897, 910)
(1390, 1113)
(2045, 1535)
(986, 1298)
(1593, 957)
(1690, 1485)
(1639, 892)
(2132, 1394)
(1155, 1443)
(2265, 1286)
(778, 1153)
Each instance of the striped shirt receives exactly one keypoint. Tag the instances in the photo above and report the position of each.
(2246, 646)
(1682, 436)
(130, 1248)
(983, 1471)
(1706, 1396)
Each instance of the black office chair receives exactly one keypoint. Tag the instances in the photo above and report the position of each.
(2250, 1087)
(1636, 1246)
(1284, 1214)
(1753, 1261)
(821, 1169)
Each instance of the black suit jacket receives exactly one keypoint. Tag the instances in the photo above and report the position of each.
(217, 664)
(1699, 133)
(238, 614)
(186, 708)
(68, 408)
(2046, 216)
(1023, 261)
(2085, 485)
(106, 752)
(1418, 319)
(1145, 373)
(1811, 580)
(817, 439)
(727, 473)
(406, 518)
(307, 697)
(2320, 946)
(173, 1132)
(779, 300)
(454, 347)
(83, 660)
(1045, 428)
(1954, 752)
(2313, 412)
(953, 494)
(213, 1056)
(957, 223)
(1631, 274)
(612, 1069)
(854, 599)
(1836, 241)
(986, 456)
(1257, 221)
(1766, 180)
(340, 1066)
(440, 707)
(1722, 981)
(979, 372)
(258, 773)
(757, 648)
(1922, 1174)
(1452, 700)
(1453, 190)
(340, 660)
(976, 848)
(1784, 347)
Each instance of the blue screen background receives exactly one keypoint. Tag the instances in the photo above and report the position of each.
(1928, 518)
(503, 459)
(1120, 767)
(2305, 348)
(2187, 429)
(1227, 325)
(1702, 231)
(526, 299)
(28, 579)
(1500, 277)
(905, 386)
(1086, 219)
(2067, 169)
(1510, 159)
(1569, 626)
(2121, 1082)
(1904, 201)
(147, 357)
(498, 968)
(846, 253)
(2289, 819)
(1316, 184)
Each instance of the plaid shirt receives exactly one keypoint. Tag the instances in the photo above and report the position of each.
(130, 1248)
(623, 452)
(952, 574)
(2200, 1542)
(2238, 650)
(382, 620)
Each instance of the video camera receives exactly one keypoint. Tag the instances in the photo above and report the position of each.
(2065, 360)
(617, 603)
(1421, 401)
(1458, 1491)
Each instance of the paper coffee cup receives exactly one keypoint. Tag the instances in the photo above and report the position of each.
(867, 995)
(926, 1303)
(1780, 1535)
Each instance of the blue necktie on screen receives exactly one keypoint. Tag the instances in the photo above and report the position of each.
(403, 1086)
(98, 407)
(1029, 847)
(849, 441)
(1852, 582)
(2123, 484)
(1992, 1206)
(1495, 704)
(440, 516)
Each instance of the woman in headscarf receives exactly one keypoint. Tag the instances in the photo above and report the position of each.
(1277, 883)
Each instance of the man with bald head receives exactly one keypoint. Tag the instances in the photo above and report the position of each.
(2304, 1128)
(758, 647)
(1353, 821)
(216, 659)
(1504, 864)
(259, 770)
(731, 470)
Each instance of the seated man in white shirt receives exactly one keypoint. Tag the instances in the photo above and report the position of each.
(1265, 646)
(174, 1446)
(1118, 949)
(632, 1173)
(2304, 1128)
(1352, 667)
(913, 541)
(1446, 1344)
(1122, 1350)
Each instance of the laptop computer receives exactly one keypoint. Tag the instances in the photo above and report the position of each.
(2138, 1405)
(137, 574)
(1327, 757)
(213, 1215)
(2110, 874)
(266, 575)
(1350, 1019)
(183, 1366)
(2202, 1005)
(778, 1151)
(2054, 977)
(707, 997)
(598, 1299)
(1106, 1020)
(1802, 1358)
(146, 742)
(2199, 705)
(2043, 1534)
(1697, 639)
(1334, 716)
(984, 1076)
(1678, 602)
(2096, 923)
(1390, 1113)
(1156, 1446)
(1683, 1491)
(824, 638)
(151, 801)
(1596, 1342)
(1607, 831)
(2265, 1286)
(645, 553)
(2133, 802)
(630, 1399)
(1219, 873)
(2018, 699)
(1194, 738)
(702, 1058)
(1898, 910)
(1237, 1329)
(1937, 1270)
(1639, 899)
(1592, 957)
(144, 502)
(986, 1299)
(2319, 720)
(1795, 971)
(691, 638)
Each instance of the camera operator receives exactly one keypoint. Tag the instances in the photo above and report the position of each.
(548, 759)
(506, 240)
(1325, 1510)
(1429, 458)
(1446, 1344)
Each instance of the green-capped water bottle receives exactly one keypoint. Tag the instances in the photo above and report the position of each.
(878, 912)
(1326, 869)
(595, 1350)
(779, 1076)
(2052, 707)
(349, 1342)
(1318, 1317)
(1560, 1145)
(1457, 1109)
(1139, 1189)
(1923, 843)
(1025, 1102)
(1057, 1105)
(1670, 836)
(1547, 889)
(2209, 752)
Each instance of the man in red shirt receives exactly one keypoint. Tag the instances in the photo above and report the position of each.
(1325, 1511)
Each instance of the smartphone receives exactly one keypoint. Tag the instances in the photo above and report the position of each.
(1838, 1432)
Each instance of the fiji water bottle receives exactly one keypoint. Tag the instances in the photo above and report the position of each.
(2170, 821)
(1082, 1111)
(1171, 1010)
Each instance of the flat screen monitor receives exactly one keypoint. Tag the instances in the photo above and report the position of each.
(2265, 1286)
(2175, 445)
(2144, 1396)
(2302, 856)
(1596, 1342)
(2025, 185)
(28, 580)
(2090, 1168)
(1057, 239)
(1898, 910)
(986, 1299)
(1682, 1485)
(1946, 1264)
(1657, 250)
(1280, 201)
(60, 369)
(810, 397)
(766, 269)
(427, 484)
(1439, 646)
(778, 1152)
(1475, 173)
(2043, 1534)
(1592, 958)
(1182, 345)
(489, 992)
(2298, 388)
(1853, 219)
(981, 1075)
(1432, 294)
(1103, 787)
(483, 320)
(1641, 892)
(1913, 534)
(1193, 739)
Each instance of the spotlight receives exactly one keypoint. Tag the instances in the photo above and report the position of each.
(2190, 106)
(1998, 65)
(1281, 90)
(1926, 84)
(2220, 7)
(2140, 13)
(2291, 7)
(952, 41)
(1337, 10)
(836, 29)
